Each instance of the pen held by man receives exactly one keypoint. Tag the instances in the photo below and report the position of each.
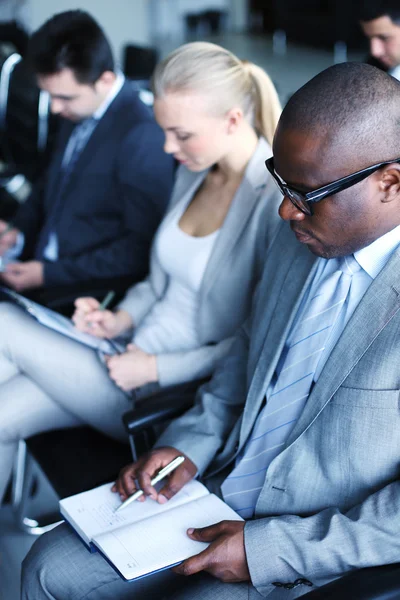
(162, 474)
(140, 474)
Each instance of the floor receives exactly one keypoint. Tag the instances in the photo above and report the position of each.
(14, 543)
(289, 71)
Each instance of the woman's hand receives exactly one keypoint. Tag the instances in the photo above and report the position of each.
(102, 323)
(132, 369)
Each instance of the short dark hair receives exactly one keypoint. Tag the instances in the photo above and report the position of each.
(350, 105)
(72, 40)
(380, 8)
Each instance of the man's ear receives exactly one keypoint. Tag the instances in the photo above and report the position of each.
(390, 182)
(106, 79)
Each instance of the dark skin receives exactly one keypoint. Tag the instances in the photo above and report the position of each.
(347, 221)
(225, 557)
(341, 224)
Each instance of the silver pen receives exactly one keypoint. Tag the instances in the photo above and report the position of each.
(160, 475)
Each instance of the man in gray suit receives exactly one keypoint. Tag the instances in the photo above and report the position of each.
(299, 428)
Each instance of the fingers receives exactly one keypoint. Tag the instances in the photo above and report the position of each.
(87, 304)
(195, 564)
(8, 237)
(14, 276)
(208, 534)
(145, 469)
(175, 482)
(88, 318)
(125, 485)
(83, 307)
(15, 268)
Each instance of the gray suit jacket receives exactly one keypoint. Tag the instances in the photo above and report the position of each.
(331, 499)
(232, 272)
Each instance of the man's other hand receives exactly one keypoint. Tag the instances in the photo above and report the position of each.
(225, 557)
(23, 276)
(8, 237)
(147, 467)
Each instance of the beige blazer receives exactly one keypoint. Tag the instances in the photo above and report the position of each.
(231, 274)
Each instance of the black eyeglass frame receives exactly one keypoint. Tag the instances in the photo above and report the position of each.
(303, 201)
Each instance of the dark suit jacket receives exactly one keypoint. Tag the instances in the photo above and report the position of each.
(114, 199)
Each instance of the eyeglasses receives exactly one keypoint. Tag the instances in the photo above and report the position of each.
(304, 201)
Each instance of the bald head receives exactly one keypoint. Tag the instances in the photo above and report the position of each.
(351, 108)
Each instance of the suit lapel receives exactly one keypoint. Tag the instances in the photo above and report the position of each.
(241, 209)
(364, 326)
(295, 270)
(105, 129)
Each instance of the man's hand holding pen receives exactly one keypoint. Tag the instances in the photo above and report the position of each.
(225, 557)
(138, 475)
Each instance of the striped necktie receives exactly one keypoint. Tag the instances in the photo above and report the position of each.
(288, 393)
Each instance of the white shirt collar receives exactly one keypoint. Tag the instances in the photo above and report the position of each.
(116, 87)
(375, 256)
(395, 72)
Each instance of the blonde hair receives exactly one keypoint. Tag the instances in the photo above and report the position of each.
(211, 69)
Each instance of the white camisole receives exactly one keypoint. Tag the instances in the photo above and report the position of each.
(170, 326)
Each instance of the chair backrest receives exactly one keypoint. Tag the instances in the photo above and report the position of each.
(26, 127)
(139, 63)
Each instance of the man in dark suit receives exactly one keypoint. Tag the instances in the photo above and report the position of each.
(380, 23)
(109, 181)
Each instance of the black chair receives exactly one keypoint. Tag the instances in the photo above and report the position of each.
(27, 128)
(377, 583)
(11, 32)
(139, 63)
(27, 131)
(75, 460)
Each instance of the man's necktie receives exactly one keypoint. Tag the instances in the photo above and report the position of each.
(287, 396)
(77, 141)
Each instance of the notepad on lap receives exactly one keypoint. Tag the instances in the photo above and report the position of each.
(49, 318)
(146, 536)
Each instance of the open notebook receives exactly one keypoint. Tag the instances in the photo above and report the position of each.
(145, 537)
(59, 323)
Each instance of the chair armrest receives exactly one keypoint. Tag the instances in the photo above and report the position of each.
(375, 583)
(167, 404)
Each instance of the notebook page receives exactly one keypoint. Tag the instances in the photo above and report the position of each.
(93, 512)
(156, 543)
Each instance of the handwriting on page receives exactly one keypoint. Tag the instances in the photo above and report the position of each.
(104, 514)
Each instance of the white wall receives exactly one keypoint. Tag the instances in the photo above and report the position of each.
(239, 12)
(123, 20)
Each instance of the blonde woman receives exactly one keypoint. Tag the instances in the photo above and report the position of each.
(218, 115)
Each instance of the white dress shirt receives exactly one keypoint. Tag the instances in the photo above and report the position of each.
(395, 72)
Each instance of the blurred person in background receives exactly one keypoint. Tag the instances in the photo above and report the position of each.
(380, 22)
(95, 213)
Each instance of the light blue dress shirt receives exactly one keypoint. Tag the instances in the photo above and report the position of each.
(371, 259)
